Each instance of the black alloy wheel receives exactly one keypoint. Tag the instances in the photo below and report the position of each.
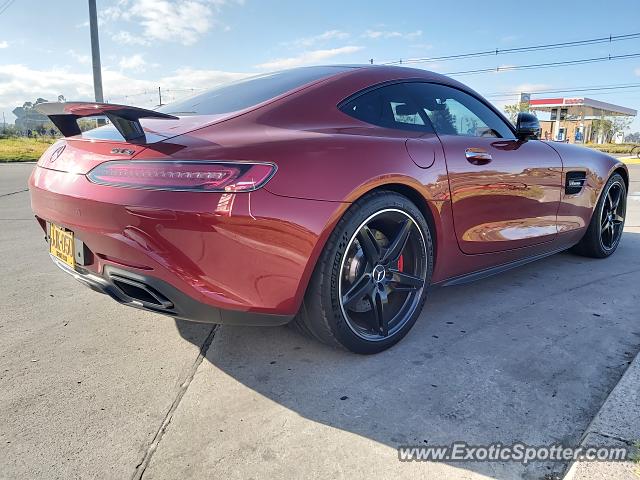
(372, 278)
(604, 232)
(382, 274)
(612, 216)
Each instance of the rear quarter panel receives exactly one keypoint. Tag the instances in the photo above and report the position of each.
(575, 211)
(332, 165)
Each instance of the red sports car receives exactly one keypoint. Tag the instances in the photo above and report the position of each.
(330, 197)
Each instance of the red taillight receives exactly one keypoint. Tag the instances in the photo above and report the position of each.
(183, 176)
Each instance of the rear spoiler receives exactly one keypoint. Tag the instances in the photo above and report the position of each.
(126, 119)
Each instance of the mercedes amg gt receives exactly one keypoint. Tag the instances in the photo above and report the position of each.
(331, 198)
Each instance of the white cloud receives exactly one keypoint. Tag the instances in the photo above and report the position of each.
(127, 38)
(134, 63)
(433, 66)
(500, 104)
(4, 44)
(182, 21)
(530, 87)
(508, 94)
(321, 38)
(422, 46)
(20, 83)
(85, 24)
(308, 58)
(79, 57)
(637, 71)
(190, 78)
(375, 34)
(509, 38)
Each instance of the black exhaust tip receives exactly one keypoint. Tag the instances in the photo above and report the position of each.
(141, 292)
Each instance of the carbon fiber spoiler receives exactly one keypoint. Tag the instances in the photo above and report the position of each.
(126, 119)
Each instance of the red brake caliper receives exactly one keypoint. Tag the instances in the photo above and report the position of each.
(400, 263)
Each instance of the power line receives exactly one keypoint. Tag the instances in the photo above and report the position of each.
(537, 66)
(5, 5)
(184, 89)
(530, 48)
(596, 88)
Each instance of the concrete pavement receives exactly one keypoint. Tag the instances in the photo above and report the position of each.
(617, 424)
(92, 389)
(84, 383)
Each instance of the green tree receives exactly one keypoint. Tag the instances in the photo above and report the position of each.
(607, 127)
(443, 120)
(620, 124)
(512, 111)
(27, 117)
(603, 129)
(632, 137)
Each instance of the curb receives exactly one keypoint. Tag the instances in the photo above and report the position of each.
(630, 160)
(617, 423)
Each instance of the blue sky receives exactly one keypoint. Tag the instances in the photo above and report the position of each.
(188, 45)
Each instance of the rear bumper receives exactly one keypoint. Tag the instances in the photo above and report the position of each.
(159, 297)
(222, 258)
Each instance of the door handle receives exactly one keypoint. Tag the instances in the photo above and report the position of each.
(477, 156)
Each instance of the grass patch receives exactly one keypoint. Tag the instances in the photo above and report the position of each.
(19, 149)
(612, 147)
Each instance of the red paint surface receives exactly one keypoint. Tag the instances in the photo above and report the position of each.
(256, 251)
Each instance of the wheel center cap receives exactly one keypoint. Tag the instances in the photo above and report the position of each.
(378, 273)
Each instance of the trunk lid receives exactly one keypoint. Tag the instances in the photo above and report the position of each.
(129, 132)
(81, 153)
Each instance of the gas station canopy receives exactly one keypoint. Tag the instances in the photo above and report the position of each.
(573, 119)
(582, 107)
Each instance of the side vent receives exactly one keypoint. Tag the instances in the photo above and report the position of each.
(574, 182)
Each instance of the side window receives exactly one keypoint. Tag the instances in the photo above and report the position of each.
(390, 106)
(453, 112)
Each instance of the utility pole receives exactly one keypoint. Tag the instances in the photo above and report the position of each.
(159, 97)
(95, 52)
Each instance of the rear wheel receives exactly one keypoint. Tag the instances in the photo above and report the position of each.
(605, 230)
(370, 282)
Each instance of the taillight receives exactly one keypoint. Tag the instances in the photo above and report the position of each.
(191, 176)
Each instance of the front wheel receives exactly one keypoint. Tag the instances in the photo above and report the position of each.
(607, 222)
(370, 282)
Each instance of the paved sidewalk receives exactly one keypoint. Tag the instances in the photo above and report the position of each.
(617, 424)
(93, 389)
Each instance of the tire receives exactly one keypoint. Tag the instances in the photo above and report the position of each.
(605, 231)
(361, 255)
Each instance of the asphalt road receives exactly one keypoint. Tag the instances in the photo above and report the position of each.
(92, 389)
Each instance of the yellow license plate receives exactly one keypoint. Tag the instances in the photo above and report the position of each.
(61, 245)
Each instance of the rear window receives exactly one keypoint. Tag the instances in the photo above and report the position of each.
(249, 92)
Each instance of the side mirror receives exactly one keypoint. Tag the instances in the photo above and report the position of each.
(527, 126)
